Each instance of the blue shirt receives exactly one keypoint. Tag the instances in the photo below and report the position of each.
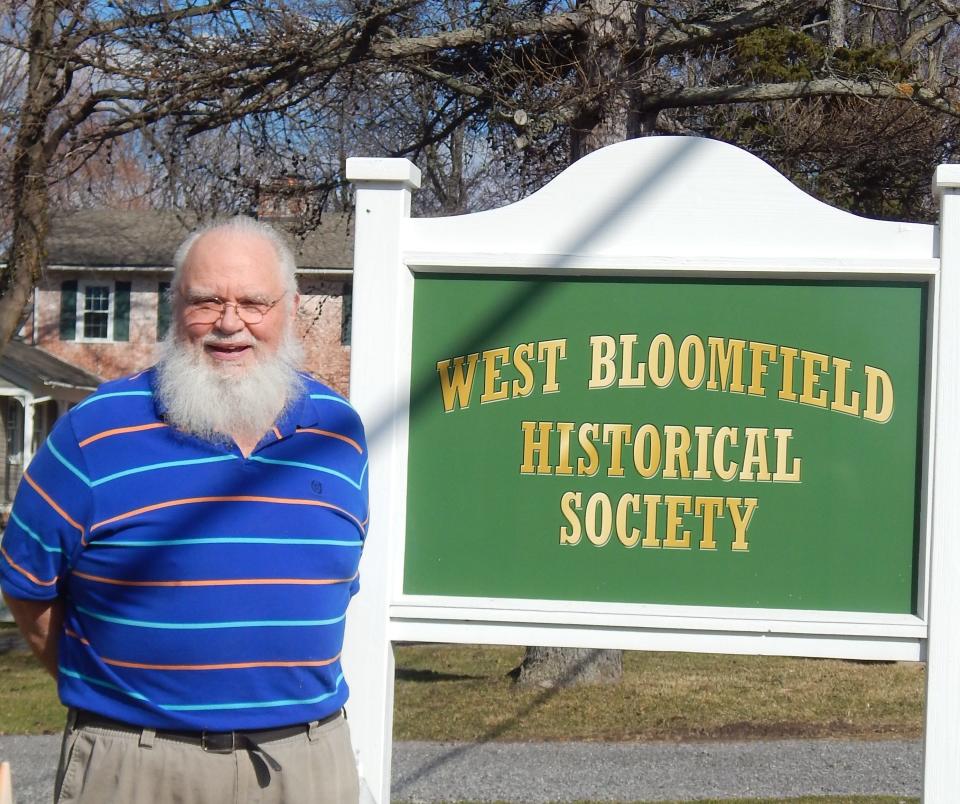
(201, 589)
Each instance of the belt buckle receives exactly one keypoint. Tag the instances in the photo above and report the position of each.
(217, 745)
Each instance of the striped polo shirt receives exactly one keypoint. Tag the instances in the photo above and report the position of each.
(202, 589)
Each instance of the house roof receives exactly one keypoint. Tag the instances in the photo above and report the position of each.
(29, 366)
(105, 238)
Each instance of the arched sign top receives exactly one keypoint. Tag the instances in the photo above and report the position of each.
(679, 196)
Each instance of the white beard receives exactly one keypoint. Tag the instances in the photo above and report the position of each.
(218, 403)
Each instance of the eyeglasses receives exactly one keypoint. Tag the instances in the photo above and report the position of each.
(211, 310)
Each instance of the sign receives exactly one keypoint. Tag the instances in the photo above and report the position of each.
(663, 441)
(667, 402)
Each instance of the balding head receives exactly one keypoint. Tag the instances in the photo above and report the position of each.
(243, 227)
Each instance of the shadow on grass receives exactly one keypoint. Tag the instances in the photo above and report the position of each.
(431, 675)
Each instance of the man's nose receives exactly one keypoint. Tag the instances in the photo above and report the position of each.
(230, 322)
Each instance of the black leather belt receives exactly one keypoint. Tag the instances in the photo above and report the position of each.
(217, 742)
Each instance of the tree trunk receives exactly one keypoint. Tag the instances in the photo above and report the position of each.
(609, 114)
(28, 176)
(606, 61)
(564, 667)
(838, 22)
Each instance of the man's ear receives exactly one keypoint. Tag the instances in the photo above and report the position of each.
(295, 307)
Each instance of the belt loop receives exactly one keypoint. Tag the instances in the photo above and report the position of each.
(313, 731)
(147, 736)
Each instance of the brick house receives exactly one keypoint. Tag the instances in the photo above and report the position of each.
(102, 304)
(102, 307)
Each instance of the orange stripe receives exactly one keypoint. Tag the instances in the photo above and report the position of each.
(342, 437)
(276, 432)
(189, 500)
(220, 582)
(75, 635)
(228, 666)
(22, 571)
(53, 505)
(121, 431)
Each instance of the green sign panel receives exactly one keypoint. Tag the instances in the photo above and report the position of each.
(723, 443)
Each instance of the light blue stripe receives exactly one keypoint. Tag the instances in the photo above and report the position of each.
(330, 398)
(65, 462)
(165, 465)
(33, 535)
(254, 704)
(227, 540)
(209, 626)
(98, 397)
(364, 472)
(313, 467)
(100, 683)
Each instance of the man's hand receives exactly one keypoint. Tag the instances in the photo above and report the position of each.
(40, 622)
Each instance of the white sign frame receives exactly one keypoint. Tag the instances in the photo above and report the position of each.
(658, 206)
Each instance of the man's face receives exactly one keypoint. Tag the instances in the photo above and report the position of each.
(237, 268)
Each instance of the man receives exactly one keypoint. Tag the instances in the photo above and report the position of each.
(181, 553)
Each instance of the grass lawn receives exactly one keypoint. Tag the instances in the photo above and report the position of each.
(464, 693)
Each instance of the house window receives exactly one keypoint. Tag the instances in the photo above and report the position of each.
(94, 310)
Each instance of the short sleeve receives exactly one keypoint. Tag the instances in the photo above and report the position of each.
(48, 521)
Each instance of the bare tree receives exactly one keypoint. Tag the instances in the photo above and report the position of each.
(523, 83)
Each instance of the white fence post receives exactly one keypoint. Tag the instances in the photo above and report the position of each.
(381, 284)
(942, 734)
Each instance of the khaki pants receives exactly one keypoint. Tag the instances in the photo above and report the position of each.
(100, 765)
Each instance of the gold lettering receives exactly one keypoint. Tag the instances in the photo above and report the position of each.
(692, 375)
(758, 368)
(782, 475)
(536, 442)
(787, 357)
(675, 504)
(616, 435)
(702, 472)
(602, 369)
(569, 504)
(661, 360)
(879, 406)
(602, 536)
(564, 429)
(678, 445)
(456, 388)
(627, 501)
(724, 470)
(587, 434)
(553, 351)
(651, 502)
(492, 392)
(522, 356)
(811, 378)
(741, 520)
(755, 455)
(630, 376)
(646, 451)
(726, 365)
(708, 508)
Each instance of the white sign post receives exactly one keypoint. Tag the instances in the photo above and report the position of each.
(653, 207)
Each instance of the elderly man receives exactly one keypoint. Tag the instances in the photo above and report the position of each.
(181, 553)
